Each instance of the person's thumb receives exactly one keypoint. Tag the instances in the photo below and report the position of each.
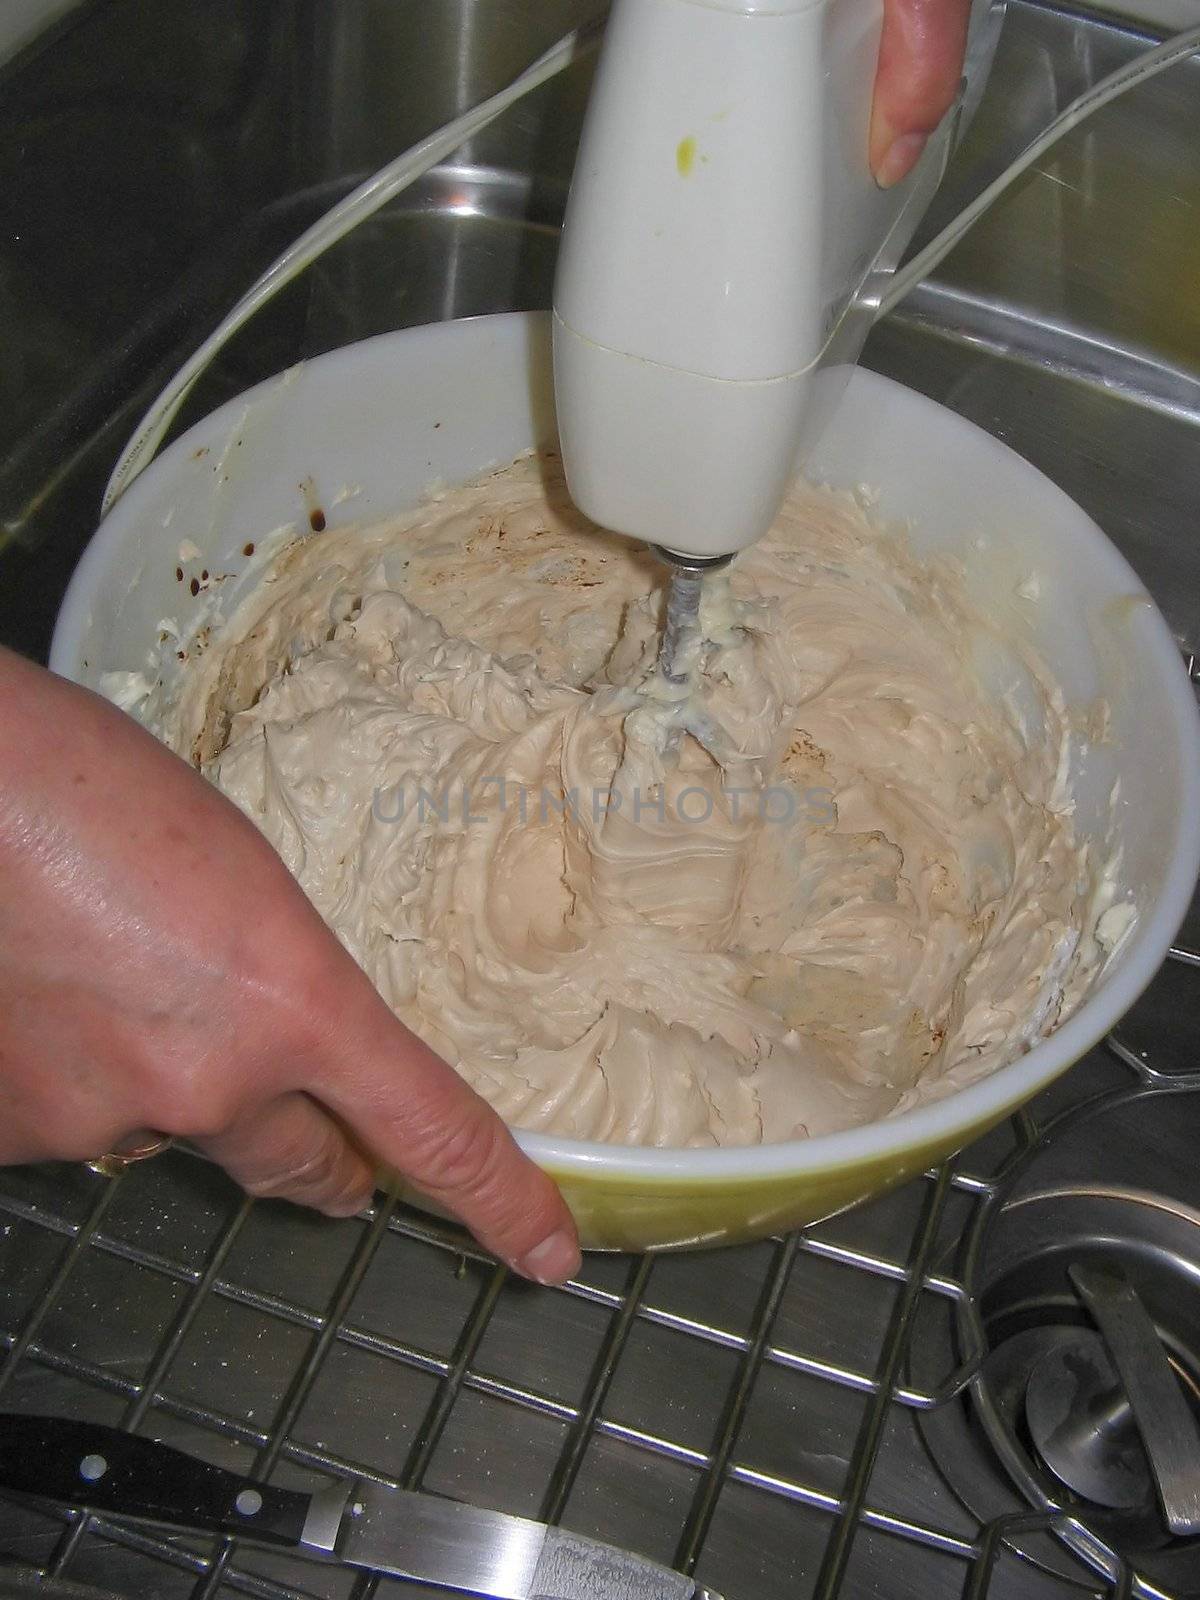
(418, 1117)
(920, 67)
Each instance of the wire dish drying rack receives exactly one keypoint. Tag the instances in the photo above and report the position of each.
(745, 1415)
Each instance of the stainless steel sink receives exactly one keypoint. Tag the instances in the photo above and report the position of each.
(151, 160)
(753, 1413)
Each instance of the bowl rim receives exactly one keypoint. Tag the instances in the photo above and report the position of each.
(942, 1121)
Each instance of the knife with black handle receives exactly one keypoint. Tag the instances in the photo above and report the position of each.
(397, 1531)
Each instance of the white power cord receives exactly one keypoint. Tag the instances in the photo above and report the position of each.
(391, 180)
(1142, 67)
(361, 203)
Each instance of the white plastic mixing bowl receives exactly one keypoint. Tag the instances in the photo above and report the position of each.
(365, 432)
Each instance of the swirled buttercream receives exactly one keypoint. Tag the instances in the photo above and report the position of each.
(863, 890)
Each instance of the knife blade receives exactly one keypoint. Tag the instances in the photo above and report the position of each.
(397, 1531)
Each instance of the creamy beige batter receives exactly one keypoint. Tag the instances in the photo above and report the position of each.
(866, 892)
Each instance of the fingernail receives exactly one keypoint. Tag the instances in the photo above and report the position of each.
(900, 157)
(553, 1261)
(347, 1208)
